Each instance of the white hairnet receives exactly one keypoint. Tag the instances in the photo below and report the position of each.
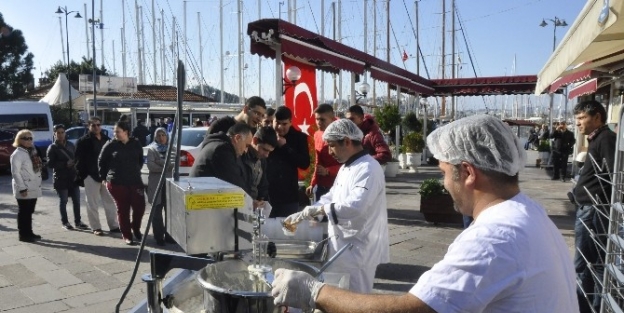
(341, 129)
(481, 140)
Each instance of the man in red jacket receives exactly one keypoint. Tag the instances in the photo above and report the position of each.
(325, 167)
(373, 139)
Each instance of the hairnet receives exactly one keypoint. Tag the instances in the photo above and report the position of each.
(481, 140)
(341, 129)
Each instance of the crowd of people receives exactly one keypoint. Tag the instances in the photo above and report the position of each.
(510, 256)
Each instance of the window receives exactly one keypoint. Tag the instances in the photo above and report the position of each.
(192, 137)
(7, 136)
(16, 122)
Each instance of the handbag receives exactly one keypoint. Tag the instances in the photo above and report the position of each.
(77, 180)
(44, 173)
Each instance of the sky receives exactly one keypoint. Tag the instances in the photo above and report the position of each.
(496, 32)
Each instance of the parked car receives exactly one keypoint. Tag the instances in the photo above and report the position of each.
(192, 138)
(74, 133)
(6, 148)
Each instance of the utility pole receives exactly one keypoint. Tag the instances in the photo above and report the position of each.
(388, 41)
(87, 31)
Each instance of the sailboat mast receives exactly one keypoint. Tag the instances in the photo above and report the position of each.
(374, 95)
(123, 38)
(388, 41)
(322, 94)
(443, 107)
(201, 56)
(454, 74)
(154, 26)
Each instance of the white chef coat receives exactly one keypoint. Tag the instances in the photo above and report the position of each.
(511, 259)
(357, 213)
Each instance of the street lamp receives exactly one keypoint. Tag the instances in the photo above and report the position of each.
(363, 91)
(66, 12)
(293, 74)
(556, 23)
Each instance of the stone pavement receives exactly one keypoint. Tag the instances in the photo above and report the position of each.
(75, 271)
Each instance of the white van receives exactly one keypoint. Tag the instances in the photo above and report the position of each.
(35, 116)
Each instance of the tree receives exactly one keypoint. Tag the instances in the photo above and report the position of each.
(16, 63)
(85, 67)
(388, 117)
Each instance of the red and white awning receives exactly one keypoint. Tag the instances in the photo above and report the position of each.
(585, 88)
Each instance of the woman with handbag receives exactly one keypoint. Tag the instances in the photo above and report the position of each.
(26, 168)
(61, 158)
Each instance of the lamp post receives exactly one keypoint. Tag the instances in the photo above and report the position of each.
(293, 74)
(362, 91)
(556, 22)
(64, 10)
(424, 103)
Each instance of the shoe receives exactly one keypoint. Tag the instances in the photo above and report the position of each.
(129, 242)
(138, 236)
(115, 230)
(26, 239)
(68, 226)
(82, 226)
(555, 178)
(98, 232)
(35, 236)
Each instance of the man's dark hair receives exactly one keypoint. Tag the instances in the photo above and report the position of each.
(269, 112)
(283, 113)
(221, 125)
(324, 108)
(255, 101)
(357, 110)
(94, 120)
(267, 135)
(239, 129)
(591, 108)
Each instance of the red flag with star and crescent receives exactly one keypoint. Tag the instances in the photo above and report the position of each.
(301, 100)
(405, 56)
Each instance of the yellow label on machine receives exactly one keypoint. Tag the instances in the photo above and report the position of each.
(215, 201)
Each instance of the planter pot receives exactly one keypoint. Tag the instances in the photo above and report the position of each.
(413, 161)
(440, 209)
(544, 156)
(392, 169)
(402, 160)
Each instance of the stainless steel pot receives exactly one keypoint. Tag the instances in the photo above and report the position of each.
(230, 288)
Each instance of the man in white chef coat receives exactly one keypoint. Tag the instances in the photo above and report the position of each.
(355, 206)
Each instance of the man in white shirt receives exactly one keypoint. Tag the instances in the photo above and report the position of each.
(511, 259)
(355, 207)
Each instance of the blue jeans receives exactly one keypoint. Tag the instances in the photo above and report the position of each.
(320, 191)
(586, 247)
(64, 195)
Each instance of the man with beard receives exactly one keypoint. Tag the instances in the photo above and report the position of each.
(512, 258)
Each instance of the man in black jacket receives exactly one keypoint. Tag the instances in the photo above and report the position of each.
(290, 154)
(220, 154)
(590, 120)
(88, 150)
(141, 132)
(562, 148)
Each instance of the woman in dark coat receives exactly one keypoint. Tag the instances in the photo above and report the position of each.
(61, 158)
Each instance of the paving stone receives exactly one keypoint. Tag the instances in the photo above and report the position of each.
(60, 278)
(43, 293)
(78, 267)
(76, 290)
(98, 297)
(115, 267)
(49, 307)
(20, 276)
(11, 298)
(20, 251)
(6, 258)
(100, 280)
(39, 264)
(4, 282)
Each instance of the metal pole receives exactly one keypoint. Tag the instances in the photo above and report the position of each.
(417, 40)
(143, 60)
(374, 93)
(101, 32)
(114, 65)
(552, 95)
(163, 52)
(154, 26)
(123, 38)
(453, 74)
(62, 39)
(185, 36)
(201, 56)
(339, 24)
(221, 46)
(240, 52)
(322, 97)
(94, 65)
(365, 32)
(278, 76)
(388, 42)
(68, 70)
(259, 57)
(87, 30)
(138, 34)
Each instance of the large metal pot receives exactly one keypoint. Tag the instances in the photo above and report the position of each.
(230, 288)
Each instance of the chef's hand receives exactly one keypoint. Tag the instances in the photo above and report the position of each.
(294, 218)
(310, 212)
(295, 289)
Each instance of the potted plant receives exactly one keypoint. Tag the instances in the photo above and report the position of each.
(543, 149)
(414, 144)
(436, 203)
(392, 168)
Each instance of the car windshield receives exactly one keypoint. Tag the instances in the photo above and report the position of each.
(193, 137)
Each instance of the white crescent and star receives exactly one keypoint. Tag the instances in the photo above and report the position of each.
(303, 88)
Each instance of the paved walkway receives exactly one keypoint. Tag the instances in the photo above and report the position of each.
(75, 271)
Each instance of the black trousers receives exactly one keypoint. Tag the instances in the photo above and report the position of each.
(26, 208)
(560, 164)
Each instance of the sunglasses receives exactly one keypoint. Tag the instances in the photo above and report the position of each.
(27, 138)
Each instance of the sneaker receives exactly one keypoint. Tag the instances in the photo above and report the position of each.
(129, 242)
(68, 226)
(82, 226)
(98, 232)
(35, 236)
(115, 230)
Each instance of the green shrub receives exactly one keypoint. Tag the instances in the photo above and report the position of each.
(431, 187)
(413, 142)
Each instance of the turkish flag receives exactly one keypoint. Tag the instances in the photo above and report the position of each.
(301, 100)
(405, 56)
